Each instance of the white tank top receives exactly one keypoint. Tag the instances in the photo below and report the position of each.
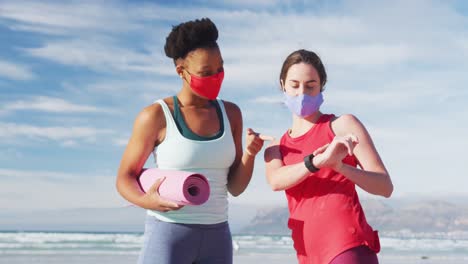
(211, 158)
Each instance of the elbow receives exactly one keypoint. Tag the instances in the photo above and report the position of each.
(235, 192)
(121, 184)
(118, 186)
(388, 192)
(275, 186)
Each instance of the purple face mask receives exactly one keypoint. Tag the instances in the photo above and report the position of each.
(303, 105)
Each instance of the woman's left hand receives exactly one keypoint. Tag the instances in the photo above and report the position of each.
(332, 154)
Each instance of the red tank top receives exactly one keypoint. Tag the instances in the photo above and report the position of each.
(325, 215)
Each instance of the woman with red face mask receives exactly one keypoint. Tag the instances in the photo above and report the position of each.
(193, 131)
(315, 163)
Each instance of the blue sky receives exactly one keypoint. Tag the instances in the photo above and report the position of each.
(74, 74)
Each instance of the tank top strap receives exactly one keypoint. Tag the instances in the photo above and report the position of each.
(326, 118)
(325, 126)
(227, 124)
(170, 123)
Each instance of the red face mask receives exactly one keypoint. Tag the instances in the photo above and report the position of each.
(208, 86)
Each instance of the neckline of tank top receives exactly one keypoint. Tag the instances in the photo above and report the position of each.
(186, 132)
(319, 122)
(223, 110)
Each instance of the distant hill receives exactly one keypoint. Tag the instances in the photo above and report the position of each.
(429, 216)
(390, 217)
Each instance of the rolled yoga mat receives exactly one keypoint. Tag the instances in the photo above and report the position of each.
(181, 187)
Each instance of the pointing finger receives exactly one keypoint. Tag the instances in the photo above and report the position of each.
(265, 137)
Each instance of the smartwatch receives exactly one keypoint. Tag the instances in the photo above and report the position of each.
(308, 163)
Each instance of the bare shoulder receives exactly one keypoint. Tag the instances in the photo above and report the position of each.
(231, 108)
(346, 119)
(346, 124)
(151, 118)
(233, 111)
(150, 113)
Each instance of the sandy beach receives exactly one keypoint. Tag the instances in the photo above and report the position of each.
(123, 248)
(238, 259)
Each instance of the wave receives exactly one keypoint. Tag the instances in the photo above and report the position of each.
(46, 237)
(442, 245)
(130, 243)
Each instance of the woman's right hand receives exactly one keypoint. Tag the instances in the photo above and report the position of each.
(332, 154)
(153, 201)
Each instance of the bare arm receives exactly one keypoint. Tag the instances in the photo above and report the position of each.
(373, 177)
(146, 134)
(279, 176)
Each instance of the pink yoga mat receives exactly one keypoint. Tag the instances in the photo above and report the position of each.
(181, 187)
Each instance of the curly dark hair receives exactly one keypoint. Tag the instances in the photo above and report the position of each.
(188, 36)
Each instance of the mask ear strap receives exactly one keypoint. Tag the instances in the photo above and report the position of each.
(282, 86)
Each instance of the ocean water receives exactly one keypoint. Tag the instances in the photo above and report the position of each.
(120, 248)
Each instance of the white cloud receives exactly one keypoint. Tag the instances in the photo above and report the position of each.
(248, 3)
(121, 142)
(255, 43)
(51, 104)
(274, 99)
(15, 71)
(368, 54)
(56, 133)
(39, 29)
(84, 15)
(129, 86)
(69, 143)
(100, 55)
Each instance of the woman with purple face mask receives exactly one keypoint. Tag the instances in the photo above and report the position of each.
(315, 163)
(190, 131)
